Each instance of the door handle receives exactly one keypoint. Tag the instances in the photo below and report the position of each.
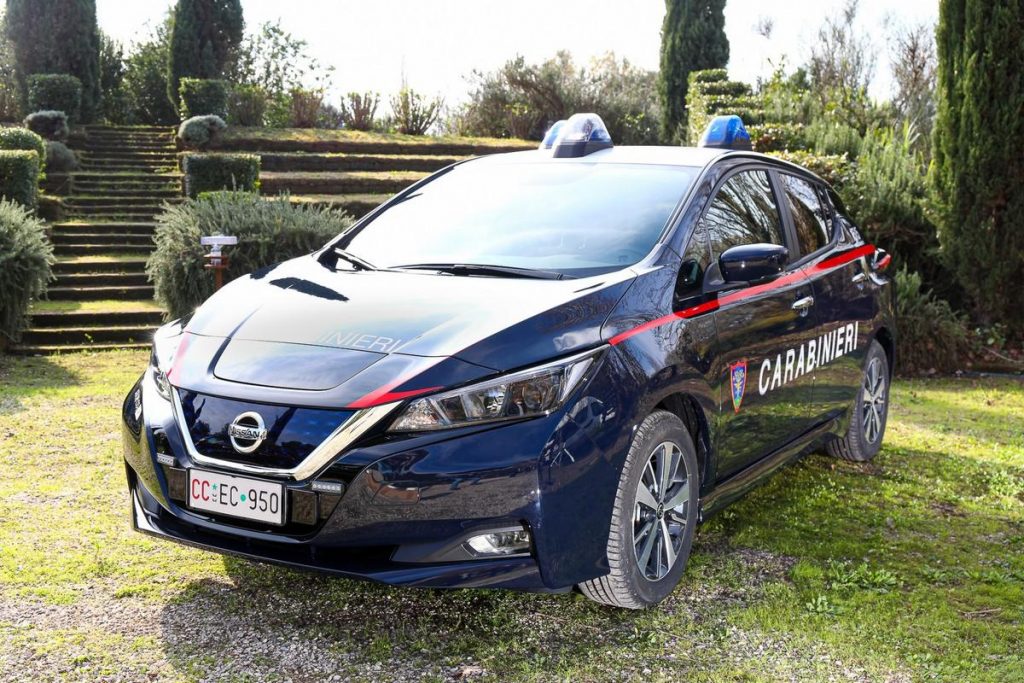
(803, 304)
(859, 278)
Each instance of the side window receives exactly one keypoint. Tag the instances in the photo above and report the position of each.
(743, 212)
(809, 217)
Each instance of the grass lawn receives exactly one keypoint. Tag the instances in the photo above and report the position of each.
(907, 569)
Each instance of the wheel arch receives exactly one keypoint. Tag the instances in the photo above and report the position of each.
(885, 337)
(687, 408)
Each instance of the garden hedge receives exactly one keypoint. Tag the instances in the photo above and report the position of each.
(19, 176)
(199, 132)
(201, 96)
(24, 139)
(26, 257)
(48, 124)
(55, 92)
(214, 172)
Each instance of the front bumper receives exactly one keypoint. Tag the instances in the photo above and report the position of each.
(410, 501)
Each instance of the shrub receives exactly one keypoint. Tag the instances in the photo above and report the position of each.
(202, 97)
(834, 137)
(888, 194)
(268, 231)
(777, 137)
(358, 111)
(247, 106)
(213, 172)
(199, 132)
(204, 38)
(55, 92)
(24, 139)
(413, 113)
(834, 169)
(51, 125)
(60, 159)
(19, 176)
(708, 76)
(305, 108)
(931, 336)
(26, 257)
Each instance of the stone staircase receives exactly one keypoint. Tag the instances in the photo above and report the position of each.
(102, 298)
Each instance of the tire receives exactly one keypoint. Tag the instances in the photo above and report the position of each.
(869, 413)
(629, 584)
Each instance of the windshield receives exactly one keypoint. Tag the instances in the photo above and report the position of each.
(574, 218)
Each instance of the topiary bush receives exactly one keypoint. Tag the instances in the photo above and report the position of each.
(26, 258)
(55, 92)
(23, 138)
(202, 96)
(48, 124)
(931, 336)
(19, 176)
(247, 106)
(199, 132)
(268, 231)
(60, 159)
(215, 172)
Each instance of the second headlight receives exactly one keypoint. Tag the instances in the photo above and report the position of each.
(528, 393)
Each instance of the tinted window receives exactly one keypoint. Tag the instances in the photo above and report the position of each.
(578, 218)
(743, 212)
(809, 217)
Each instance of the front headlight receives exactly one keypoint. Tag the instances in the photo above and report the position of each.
(528, 393)
(165, 345)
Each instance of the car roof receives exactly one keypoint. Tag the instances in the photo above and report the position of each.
(690, 157)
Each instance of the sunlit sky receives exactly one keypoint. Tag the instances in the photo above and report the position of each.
(437, 43)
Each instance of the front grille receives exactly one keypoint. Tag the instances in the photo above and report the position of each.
(292, 433)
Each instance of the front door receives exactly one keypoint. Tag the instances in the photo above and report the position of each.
(763, 380)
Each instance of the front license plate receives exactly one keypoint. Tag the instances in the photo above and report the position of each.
(255, 499)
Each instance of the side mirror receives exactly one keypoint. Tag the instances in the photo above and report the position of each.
(881, 260)
(751, 263)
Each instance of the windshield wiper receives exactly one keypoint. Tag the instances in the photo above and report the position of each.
(355, 261)
(470, 269)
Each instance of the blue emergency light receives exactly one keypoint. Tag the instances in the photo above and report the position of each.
(725, 132)
(549, 138)
(578, 136)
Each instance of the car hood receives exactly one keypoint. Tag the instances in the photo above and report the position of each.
(303, 327)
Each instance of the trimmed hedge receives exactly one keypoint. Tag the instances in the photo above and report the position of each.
(24, 139)
(26, 258)
(48, 124)
(199, 132)
(708, 76)
(55, 92)
(59, 158)
(202, 96)
(19, 176)
(268, 231)
(214, 172)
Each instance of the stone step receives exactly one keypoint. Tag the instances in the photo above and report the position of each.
(300, 162)
(129, 153)
(116, 146)
(120, 279)
(65, 336)
(134, 177)
(84, 248)
(126, 193)
(83, 228)
(108, 238)
(127, 292)
(138, 202)
(49, 350)
(84, 319)
(99, 265)
(113, 213)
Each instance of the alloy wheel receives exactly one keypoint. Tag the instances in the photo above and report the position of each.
(660, 511)
(873, 399)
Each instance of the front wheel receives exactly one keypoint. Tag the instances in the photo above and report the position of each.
(869, 413)
(653, 518)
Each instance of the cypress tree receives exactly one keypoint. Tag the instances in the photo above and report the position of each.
(204, 37)
(57, 36)
(978, 152)
(692, 38)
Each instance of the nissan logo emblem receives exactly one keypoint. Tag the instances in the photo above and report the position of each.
(247, 432)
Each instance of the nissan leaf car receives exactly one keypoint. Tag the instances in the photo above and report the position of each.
(538, 371)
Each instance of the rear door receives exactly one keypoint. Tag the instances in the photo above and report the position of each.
(765, 390)
(832, 259)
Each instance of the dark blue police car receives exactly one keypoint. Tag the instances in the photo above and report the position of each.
(538, 370)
